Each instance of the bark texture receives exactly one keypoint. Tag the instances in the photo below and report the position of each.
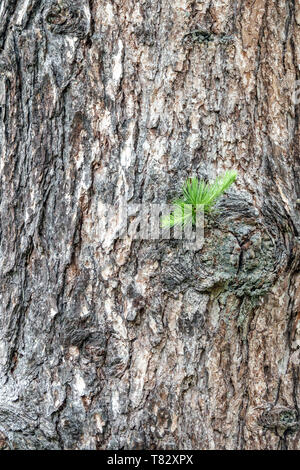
(109, 343)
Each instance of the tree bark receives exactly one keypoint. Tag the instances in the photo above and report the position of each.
(110, 343)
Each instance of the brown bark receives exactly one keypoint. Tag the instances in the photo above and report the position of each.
(108, 343)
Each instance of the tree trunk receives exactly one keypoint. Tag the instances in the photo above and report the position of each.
(110, 343)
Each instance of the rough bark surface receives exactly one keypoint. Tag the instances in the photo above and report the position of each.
(109, 343)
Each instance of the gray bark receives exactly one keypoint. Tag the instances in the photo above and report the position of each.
(108, 343)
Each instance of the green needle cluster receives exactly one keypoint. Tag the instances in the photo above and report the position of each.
(197, 195)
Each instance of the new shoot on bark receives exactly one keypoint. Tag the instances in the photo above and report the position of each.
(197, 195)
